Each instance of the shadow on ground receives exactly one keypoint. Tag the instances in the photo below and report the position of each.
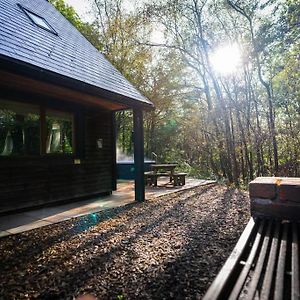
(169, 247)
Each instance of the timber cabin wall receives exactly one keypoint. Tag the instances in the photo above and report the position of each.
(55, 67)
(34, 181)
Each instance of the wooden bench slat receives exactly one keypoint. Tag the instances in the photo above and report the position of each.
(279, 281)
(295, 264)
(224, 275)
(260, 263)
(265, 267)
(241, 280)
(149, 173)
(269, 273)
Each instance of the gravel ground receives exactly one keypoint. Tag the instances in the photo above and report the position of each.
(166, 248)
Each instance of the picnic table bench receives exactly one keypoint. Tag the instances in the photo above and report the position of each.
(164, 170)
(265, 261)
(179, 179)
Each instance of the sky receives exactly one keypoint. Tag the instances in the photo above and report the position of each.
(82, 7)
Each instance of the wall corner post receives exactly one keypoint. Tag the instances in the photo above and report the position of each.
(139, 155)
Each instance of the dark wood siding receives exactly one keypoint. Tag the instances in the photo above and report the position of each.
(26, 182)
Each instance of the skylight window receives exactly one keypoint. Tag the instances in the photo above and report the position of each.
(38, 20)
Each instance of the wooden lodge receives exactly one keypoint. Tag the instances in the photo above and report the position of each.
(58, 101)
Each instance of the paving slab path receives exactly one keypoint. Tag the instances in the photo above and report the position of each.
(35, 218)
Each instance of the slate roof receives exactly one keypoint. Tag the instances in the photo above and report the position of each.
(68, 53)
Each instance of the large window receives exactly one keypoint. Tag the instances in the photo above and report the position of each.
(31, 130)
(59, 132)
(19, 129)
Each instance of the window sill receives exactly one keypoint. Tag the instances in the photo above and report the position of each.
(42, 160)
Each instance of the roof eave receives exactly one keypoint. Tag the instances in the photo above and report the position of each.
(35, 72)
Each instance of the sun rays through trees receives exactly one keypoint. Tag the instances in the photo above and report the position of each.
(224, 76)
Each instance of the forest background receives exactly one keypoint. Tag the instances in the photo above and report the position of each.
(227, 126)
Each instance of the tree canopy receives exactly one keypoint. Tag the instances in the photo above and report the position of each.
(224, 80)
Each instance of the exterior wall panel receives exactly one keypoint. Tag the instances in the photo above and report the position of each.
(27, 182)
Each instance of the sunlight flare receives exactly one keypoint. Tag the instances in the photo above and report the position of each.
(157, 35)
(226, 59)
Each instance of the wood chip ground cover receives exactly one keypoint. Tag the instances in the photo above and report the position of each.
(166, 248)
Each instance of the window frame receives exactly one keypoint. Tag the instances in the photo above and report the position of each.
(29, 12)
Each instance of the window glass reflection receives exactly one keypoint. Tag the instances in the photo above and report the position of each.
(59, 132)
(19, 129)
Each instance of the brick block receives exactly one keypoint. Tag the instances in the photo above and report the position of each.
(289, 190)
(273, 209)
(264, 187)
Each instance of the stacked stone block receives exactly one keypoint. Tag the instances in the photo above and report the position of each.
(276, 197)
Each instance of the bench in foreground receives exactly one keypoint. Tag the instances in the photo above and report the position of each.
(263, 265)
(265, 262)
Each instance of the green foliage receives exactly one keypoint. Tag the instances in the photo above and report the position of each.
(214, 126)
(120, 297)
(88, 30)
(68, 12)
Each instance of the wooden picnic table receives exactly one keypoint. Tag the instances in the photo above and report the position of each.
(164, 170)
(164, 167)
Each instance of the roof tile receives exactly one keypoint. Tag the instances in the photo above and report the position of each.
(67, 53)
